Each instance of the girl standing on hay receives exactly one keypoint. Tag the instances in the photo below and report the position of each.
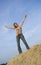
(19, 34)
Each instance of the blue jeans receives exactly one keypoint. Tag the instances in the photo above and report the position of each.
(21, 36)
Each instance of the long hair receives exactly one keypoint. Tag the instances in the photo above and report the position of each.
(15, 25)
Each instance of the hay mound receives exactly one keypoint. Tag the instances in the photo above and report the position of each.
(31, 57)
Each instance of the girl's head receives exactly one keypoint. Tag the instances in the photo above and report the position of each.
(15, 25)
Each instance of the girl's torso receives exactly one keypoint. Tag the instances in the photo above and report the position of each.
(18, 30)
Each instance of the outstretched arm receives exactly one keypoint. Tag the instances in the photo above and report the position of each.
(9, 27)
(23, 21)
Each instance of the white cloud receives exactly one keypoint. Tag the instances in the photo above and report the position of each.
(34, 35)
(35, 30)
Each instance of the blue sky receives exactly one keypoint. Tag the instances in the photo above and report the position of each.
(13, 11)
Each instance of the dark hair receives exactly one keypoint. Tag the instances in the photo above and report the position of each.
(14, 25)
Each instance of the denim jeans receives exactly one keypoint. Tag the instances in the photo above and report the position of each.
(21, 36)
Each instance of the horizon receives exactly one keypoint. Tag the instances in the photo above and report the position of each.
(13, 11)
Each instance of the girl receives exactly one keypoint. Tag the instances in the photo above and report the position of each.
(19, 34)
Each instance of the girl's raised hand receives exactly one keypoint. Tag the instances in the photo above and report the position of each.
(25, 16)
(6, 26)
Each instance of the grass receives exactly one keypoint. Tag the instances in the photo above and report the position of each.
(30, 57)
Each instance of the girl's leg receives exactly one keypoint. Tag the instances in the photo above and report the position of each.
(18, 44)
(23, 39)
